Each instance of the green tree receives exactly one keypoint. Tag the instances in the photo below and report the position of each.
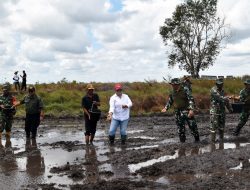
(194, 35)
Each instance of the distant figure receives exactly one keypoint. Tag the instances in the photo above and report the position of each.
(90, 102)
(23, 86)
(34, 112)
(182, 101)
(119, 112)
(218, 102)
(16, 81)
(245, 98)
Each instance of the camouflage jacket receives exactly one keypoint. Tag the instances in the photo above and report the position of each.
(7, 102)
(218, 101)
(181, 100)
(245, 98)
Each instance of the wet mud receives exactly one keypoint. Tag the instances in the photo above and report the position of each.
(152, 158)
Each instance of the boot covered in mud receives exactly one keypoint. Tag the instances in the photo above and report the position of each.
(212, 136)
(182, 138)
(123, 139)
(197, 138)
(236, 131)
(111, 139)
(221, 135)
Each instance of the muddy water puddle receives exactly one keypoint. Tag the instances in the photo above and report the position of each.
(32, 162)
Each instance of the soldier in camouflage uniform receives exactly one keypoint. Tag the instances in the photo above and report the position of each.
(218, 102)
(187, 83)
(182, 101)
(6, 110)
(245, 98)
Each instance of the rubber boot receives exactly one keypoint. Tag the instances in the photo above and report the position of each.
(7, 134)
(123, 139)
(221, 135)
(236, 131)
(197, 138)
(212, 137)
(111, 140)
(182, 138)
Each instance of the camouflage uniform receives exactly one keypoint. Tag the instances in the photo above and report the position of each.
(245, 98)
(6, 113)
(182, 102)
(218, 102)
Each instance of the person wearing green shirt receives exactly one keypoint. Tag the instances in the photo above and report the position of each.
(34, 112)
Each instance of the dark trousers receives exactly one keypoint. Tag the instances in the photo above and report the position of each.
(32, 122)
(24, 86)
(90, 126)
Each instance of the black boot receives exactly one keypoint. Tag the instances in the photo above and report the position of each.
(111, 140)
(221, 135)
(236, 131)
(123, 139)
(197, 138)
(182, 138)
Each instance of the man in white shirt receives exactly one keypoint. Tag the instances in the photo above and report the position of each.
(119, 110)
(16, 81)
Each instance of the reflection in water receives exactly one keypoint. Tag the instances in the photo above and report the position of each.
(8, 160)
(35, 162)
(92, 172)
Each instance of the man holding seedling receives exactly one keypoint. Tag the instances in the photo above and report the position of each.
(90, 102)
(218, 102)
(182, 101)
(245, 98)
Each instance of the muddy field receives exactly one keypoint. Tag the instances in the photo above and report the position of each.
(152, 158)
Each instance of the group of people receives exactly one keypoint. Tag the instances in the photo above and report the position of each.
(17, 83)
(180, 99)
(33, 107)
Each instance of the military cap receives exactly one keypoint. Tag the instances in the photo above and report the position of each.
(6, 86)
(219, 81)
(31, 88)
(175, 81)
(247, 81)
(90, 87)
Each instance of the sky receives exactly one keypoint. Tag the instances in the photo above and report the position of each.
(105, 40)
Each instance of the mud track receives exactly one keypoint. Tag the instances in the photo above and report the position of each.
(153, 157)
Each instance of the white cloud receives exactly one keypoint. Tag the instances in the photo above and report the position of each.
(83, 40)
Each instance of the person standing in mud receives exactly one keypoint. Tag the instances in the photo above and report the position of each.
(218, 102)
(90, 101)
(7, 111)
(16, 81)
(34, 112)
(182, 101)
(119, 112)
(245, 98)
(23, 86)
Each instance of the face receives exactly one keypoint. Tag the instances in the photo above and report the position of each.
(176, 87)
(118, 92)
(90, 91)
(220, 86)
(31, 92)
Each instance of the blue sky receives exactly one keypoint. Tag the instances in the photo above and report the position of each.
(105, 40)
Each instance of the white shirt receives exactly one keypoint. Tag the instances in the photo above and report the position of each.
(116, 103)
(16, 78)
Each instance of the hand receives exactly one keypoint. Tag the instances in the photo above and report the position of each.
(94, 102)
(190, 114)
(231, 110)
(2, 106)
(41, 117)
(124, 106)
(163, 110)
(109, 117)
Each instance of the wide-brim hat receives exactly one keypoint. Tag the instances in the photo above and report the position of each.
(90, 87)
(175, 81)
(247, 81)
(31, 88)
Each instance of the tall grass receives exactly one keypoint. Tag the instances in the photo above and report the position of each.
(64, 98)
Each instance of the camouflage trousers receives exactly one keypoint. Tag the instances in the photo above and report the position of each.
(217, 122)
(243, 118)
(181, 119)
(5, 123)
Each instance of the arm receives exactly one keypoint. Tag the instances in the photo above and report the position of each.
(84, 108)
(129, 103)
(168, 104)
(97, 100)
(111, 108)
